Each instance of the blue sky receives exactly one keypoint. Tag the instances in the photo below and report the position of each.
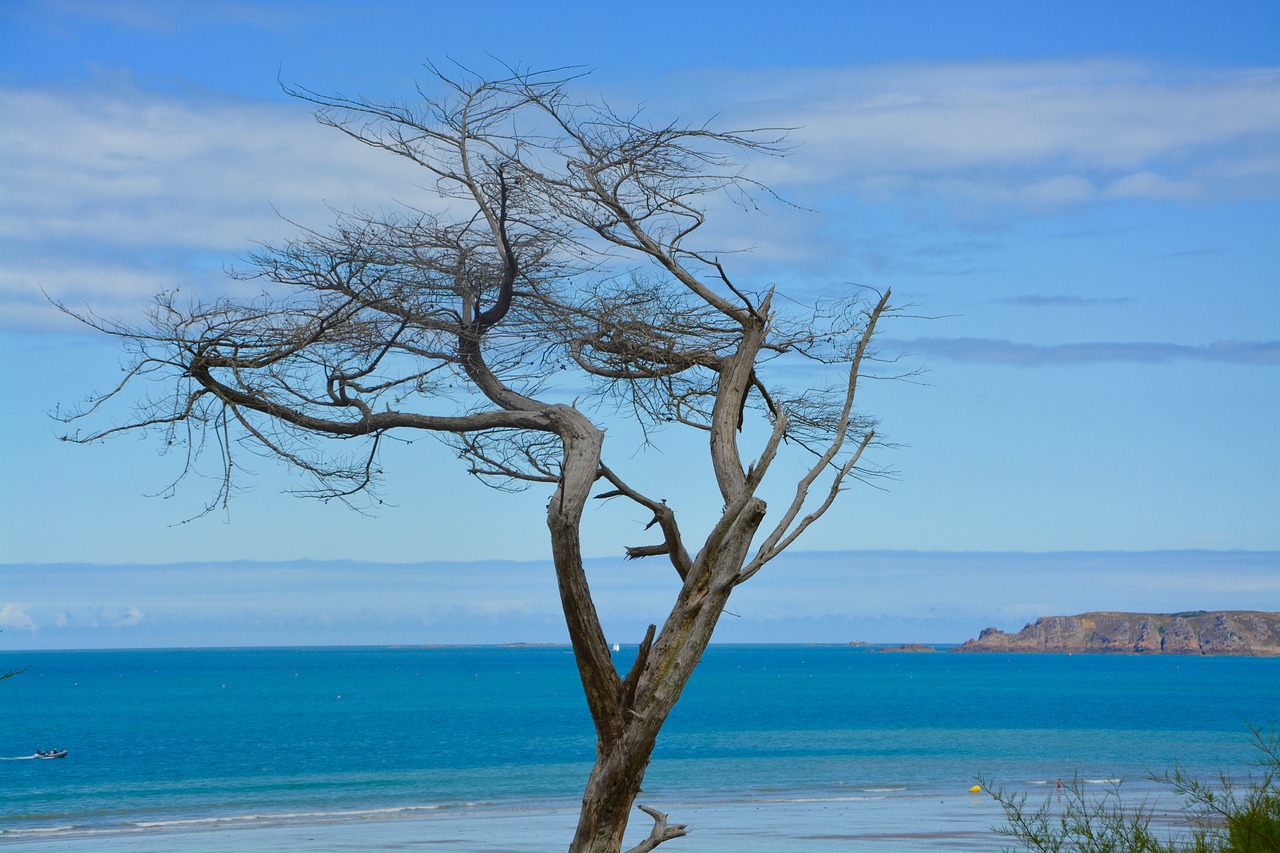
(1084, 198)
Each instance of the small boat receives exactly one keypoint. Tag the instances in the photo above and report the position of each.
(617, 648)
(50, 753)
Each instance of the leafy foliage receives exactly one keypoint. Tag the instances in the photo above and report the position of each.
(1226, 817)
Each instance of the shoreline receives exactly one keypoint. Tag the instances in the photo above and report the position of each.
(869, 821)
(916, 824)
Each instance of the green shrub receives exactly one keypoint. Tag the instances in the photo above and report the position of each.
(1223, 817)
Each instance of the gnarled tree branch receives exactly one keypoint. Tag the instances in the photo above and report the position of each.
(549, 282)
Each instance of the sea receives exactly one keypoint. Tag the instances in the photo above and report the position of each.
(771, 748)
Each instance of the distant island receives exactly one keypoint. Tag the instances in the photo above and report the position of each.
(906, 647)
(1245, 633)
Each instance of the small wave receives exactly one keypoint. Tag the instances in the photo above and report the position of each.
(229, 821)
(288, 817)
(19, 758)
(38, 830)
(234, 820)
(349, 814)
(881, 790)
(779, 800)
(1102, 781)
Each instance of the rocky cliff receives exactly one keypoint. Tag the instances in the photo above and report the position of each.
(1230, 632)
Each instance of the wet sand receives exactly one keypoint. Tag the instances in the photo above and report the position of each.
(891, 825)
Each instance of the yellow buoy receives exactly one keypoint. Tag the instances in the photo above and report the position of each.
(975, 789)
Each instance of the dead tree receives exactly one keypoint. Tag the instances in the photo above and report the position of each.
(549, 282)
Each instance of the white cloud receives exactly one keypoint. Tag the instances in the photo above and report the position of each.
(1058, 190)
(14, 616)
(137, 169)
(111, 617)
(1154, 186)
(112, 289)
(1003, 129)
(994, 351)
(131, 616)
(112, 193)
(112, 196)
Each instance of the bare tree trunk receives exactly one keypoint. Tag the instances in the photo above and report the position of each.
(626, 739)
(615, 781)
(610, 793)
(628, 714)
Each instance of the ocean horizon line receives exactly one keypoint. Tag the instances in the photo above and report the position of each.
(514, 644)
(797, 555)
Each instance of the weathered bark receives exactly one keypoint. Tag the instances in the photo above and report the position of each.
(628, 722)
(629, 730)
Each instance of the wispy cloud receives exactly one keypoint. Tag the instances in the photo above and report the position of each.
(996, 351)
(1038, 300)
(129, 168)
(112, 195)
(102, 171)
(1030, 134)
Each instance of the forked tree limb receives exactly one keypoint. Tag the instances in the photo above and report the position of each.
(662, 831)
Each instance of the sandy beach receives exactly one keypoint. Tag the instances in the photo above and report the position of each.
(889, 825)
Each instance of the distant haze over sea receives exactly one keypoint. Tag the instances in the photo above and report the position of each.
(806, 597)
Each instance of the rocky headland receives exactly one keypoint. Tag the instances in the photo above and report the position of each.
(1228, 632)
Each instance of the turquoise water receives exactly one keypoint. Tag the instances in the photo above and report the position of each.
(189, 738)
